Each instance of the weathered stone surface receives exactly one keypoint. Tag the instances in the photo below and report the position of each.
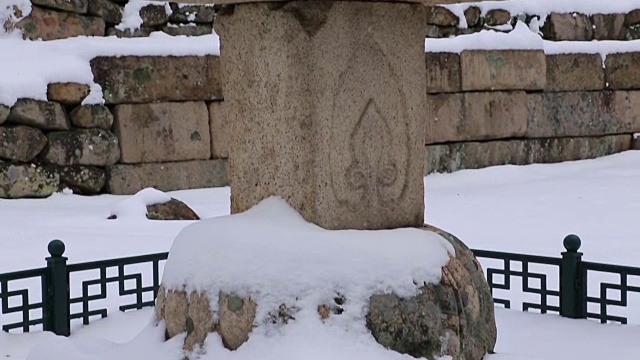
(567, 26)
(185, 313)
(82, 147)
(83, 180)
(173, 209)
(632, 32)
(608, 26)
(443, 72)
(192, 314)
(493, 115)
(41, 114)
(218, 127)
(132, 79)
(77, 6)
(444, 117)
(476, 155)
(163, 132)
(623, 110)
(454, 318)
(4, 113)
(476, 116)
(91, 116)
(191, 13)
(236, 319)
(423, 2)
(26, 181)
(195, 30)
(67, 93)
(21, 143)
(635, 142)
(573, 114)
(497, 17)
(129, 179)
(48, 24)
(435, 31)
(472, 15)
(354, 102)
(574, 72)
(621, 71)
(128, 33)
(503, 70)
(438, 15)
(107, 10)
(632, 18)
(153, 15)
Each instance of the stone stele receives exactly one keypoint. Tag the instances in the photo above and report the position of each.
(327, 107)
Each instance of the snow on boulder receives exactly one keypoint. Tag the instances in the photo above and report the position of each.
(247, 276)
(154, 205)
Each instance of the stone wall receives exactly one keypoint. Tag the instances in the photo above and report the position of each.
(162, 123)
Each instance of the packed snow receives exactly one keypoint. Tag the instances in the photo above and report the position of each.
(271, 254)
(136, 205)
(525, 209)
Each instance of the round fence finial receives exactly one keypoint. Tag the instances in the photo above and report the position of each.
(56, 248)
(572, 243)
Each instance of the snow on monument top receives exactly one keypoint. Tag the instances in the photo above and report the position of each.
(273, 255)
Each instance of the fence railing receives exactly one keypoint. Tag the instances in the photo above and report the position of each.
(566, 294)
(53, 310)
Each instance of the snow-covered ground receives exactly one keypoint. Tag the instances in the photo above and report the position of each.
(527, 209)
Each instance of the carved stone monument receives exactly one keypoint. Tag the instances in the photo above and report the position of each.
(328, 103)
(325, 103)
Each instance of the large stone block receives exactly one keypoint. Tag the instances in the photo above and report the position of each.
(109, 11)
(624, 110)
(574, 114)
(574, 72)
(608, 26)
(570, 149)
(91, 116)
(21, 143)
(503, 70)
(129, 179)
(132, 79)
(83, 180)
(48, 24)
(335, 127)
(153, 15)
(622, 72)
(444, 115)
(191, 13)
(41, 114)
(493, 115)
(67, 93)
(82, 147)
(163, 132)
(443, 72)
(77, 6)
(568, 27)
(218, 126)
(4, 113)
(27, 181)
(476, 155)
(441, 16)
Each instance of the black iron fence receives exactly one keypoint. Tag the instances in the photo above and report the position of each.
(52, 306)
(566, 294)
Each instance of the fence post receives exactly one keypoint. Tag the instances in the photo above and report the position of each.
(572, 285)
(56, 301)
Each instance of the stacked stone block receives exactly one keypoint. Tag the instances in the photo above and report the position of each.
(557, 26)
(59, 19)
(490, 107)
